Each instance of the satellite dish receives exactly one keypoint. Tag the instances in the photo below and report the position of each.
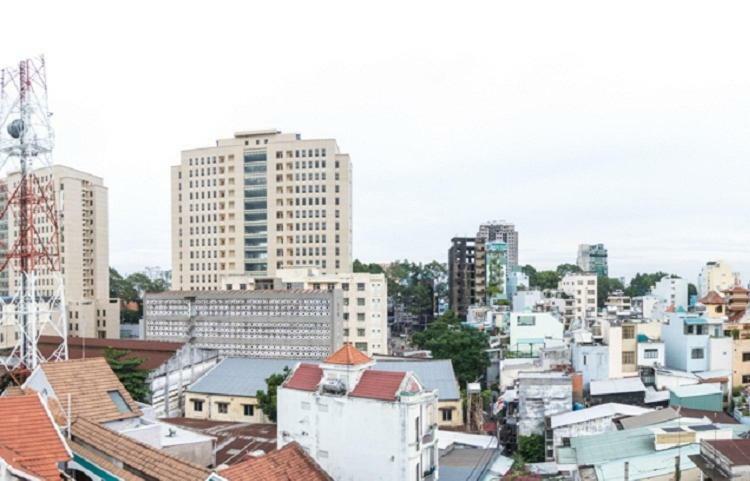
(16, 128)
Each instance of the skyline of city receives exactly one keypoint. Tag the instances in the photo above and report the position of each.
(552, 127)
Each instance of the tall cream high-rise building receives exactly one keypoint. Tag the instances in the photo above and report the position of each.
(257, 202)
(81, 200)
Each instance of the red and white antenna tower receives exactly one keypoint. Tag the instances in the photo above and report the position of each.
(30, 259)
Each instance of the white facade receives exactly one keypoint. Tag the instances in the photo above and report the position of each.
(534, 330)
(650, 354)
(523, 300)
(582, 287)
(358, 438)
(650, 307)
(672, 292)
(365, 300)
(716, 276)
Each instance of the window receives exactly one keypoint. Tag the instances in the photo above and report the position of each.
(119, 401)
(446, 414)
(362, 346)
(628, 332)
(628, 357)
(361, 332)
(248, 409)
(197, 405)
(360, 286)
(360, 316)
(746, 379)
(222, 408)
(526, 321)
(745, 356)
(651, 354)
(360, 301)
(696, 353)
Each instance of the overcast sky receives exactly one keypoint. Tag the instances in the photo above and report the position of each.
(627, 123)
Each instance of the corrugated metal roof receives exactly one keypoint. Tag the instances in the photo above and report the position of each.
(596, 412)
(616, 386)
(648, 419)
(436, 374)
(236, 376)
(696, 390)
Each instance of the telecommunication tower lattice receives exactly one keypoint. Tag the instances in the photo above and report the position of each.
(30, 252)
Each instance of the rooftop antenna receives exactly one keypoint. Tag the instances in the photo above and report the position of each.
(34, 297)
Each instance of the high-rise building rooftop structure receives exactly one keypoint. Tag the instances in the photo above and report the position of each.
(593, 258)
(500, 230)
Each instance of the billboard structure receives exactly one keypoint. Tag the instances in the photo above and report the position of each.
(496, 273)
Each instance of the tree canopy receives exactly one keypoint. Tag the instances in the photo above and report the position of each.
(606, 286)
(132, 287)
(128, 371)
(267, 399)
(641, 284)
(447, 338)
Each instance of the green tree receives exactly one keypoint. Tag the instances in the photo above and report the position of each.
(465, 346)
(547, 280)
(563, 269)
(606, 286)
(529, 270)
(417, 286)
(372, 268)
(692, 290)
(128, 370)
(119, 286)
(267, 399)
(641, 284)
(531, 448)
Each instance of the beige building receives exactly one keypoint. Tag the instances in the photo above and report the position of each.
(582, 287)
(81, 200)
(257, 202)
(365, 300)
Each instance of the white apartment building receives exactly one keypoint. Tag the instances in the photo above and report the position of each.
(360, 423)
(582, 287)
(716, 276)
(82, 202)
(257, 202)
(672, 292)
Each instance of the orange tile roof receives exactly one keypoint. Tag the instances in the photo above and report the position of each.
(290, 463)
(91, 455)
(137, 457)
(305, 378)
(348, 355)
(382, 385)
(88, 382)
(29, 439)
(712, 298)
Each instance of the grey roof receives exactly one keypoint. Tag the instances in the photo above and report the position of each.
(235, 376)
(433, 374)
(648, 419)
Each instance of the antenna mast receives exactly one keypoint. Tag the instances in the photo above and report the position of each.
(33, 303)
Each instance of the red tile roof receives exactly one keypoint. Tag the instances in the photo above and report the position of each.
(737, 450)
(290, 463)
(737, 290)
(29, 440)
(712, 298)
(305, 378)
(381, 385)
(153, 353)
(348, 355)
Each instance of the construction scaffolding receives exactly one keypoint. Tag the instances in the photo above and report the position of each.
(31, 246)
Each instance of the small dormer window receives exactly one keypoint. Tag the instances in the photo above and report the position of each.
(119, 401)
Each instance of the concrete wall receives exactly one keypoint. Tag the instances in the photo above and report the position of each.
(356, 439)
(235, 409)
(592, 361)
